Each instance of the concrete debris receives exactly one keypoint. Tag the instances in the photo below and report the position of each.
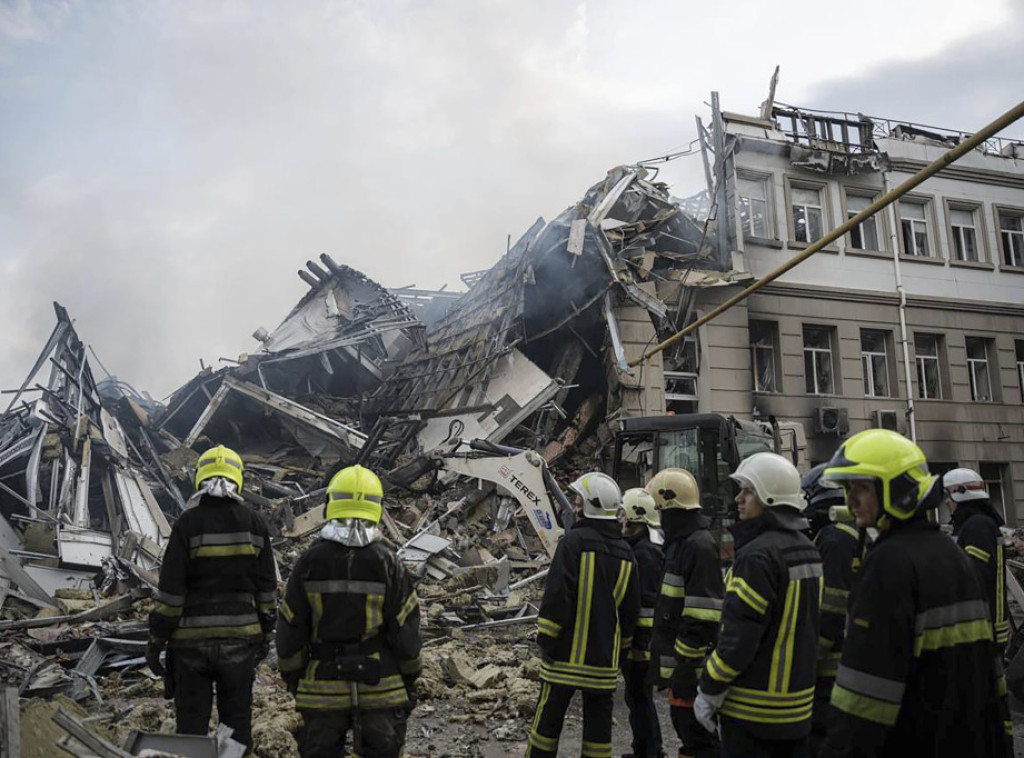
(463, 401)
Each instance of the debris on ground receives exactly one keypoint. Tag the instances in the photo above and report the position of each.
(475, 407)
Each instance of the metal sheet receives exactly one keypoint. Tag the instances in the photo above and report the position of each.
(53, 579)
(84, 547)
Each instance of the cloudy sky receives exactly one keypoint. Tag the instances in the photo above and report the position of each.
(166, 166)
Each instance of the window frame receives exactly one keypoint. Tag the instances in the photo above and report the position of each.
(822, 188)
(980, 233)
(773, 334)
(881, 223)
(830, 331)
(1016, 211)
(928, 203)
(918, 360)
(986, 343)
(866, 364)
(767, 183)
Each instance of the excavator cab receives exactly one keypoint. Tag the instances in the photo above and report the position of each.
(708, 445)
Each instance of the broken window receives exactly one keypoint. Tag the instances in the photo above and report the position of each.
(874, 354)
(1011, 237)
(753, 196)
(864, 236)
(978, 369)
(914, 225)
(808, 213)
(1019, 345)
(963, 226)
(926, 352)
(763, 342)
(818, 369)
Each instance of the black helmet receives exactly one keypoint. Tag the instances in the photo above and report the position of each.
(819, 498)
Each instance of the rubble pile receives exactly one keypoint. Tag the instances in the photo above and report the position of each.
(528, 368)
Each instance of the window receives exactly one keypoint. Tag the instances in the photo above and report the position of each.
(1020, 367)
(763, 342)
(865, 235)
(977, 369)
(914, 225)
(994, 475)
(818, 374)
(926, 350)
(1011, 237)
(874, 357)
(808, 213)
(753, 194)
(964, 226)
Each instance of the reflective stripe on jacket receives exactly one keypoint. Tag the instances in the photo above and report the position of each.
(218, 578)
(349, 603)
(917, 674)
(650, 566)
(689, 605)
(767, 644)
(976, 529)
(590, 607)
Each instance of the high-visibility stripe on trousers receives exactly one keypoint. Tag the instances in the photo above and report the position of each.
(547, 723)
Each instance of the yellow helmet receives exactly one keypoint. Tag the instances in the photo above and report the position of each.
(220, 461)
(640, 507)
(897, 466)
(355, 492)
(674, 488)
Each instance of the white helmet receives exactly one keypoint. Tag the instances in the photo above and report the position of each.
(963, 484)
(640, 507)
(773, 478)
(601, 495)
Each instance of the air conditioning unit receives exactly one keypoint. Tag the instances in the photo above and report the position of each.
(887, 420)
(831, 420)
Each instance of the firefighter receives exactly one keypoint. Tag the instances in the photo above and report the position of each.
(216, 601)
(760, 678)
(639, 518)
(587, 617)
(348, 632)
(917, 674)
(976, 526)
(842, 548)
(689, 605)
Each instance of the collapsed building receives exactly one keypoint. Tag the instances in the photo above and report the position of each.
(533, 360)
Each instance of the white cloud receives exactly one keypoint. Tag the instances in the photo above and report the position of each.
(169, 165)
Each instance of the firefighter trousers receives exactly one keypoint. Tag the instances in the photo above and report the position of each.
(738, 742)
(227, 666)
(643, 718)
(694, 739)
(376, 733)
(547, 723)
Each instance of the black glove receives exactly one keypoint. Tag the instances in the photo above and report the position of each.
(291, 681)
(414, 696)
(263, 647)
(153, 650)
(684, 682)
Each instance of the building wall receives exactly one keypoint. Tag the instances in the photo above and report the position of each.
(848, 290)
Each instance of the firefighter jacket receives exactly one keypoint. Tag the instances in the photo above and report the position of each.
(841, 555)
(590, 607)
(689, 605)
(976, 529)
(218, 579)
(348, 632)
(917, 674)
(650, 564)
(767, 644)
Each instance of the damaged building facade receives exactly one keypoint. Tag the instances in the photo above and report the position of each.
(914, 321)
